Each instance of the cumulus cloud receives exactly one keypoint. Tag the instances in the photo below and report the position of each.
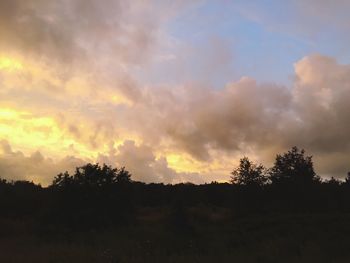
(321, 103)
(243, 117)
(14, 165)
(199, 119)
(70, 30)
(144, 165)
(258, 118)
(322, 93)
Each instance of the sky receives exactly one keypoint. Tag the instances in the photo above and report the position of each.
(175, 91)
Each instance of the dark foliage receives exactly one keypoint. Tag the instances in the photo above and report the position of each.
(293, 167)
(97, 196)
(93, 197)
(92, 176)
(248, 173)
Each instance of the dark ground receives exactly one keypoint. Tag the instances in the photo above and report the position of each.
(199, 234)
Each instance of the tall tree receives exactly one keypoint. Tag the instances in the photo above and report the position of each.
(293, 167)
(248, 173)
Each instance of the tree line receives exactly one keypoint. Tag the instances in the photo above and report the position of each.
(100, 195)
(291, 168)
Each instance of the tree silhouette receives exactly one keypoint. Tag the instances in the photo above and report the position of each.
(93, 196)
(347, 179)
(293, 167)
(62, 180)
(333, 182)
(92, 176)
(248, 173)
(123, 176)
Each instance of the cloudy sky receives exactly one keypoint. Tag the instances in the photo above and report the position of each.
(175, 90)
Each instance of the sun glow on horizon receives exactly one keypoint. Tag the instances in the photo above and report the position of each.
(28, 132)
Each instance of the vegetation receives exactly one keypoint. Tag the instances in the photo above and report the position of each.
(293, 167)
(248, 173)
(98, 214)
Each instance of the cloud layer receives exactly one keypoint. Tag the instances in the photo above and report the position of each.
(71, 92)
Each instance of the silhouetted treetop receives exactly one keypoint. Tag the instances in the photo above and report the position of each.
(347, 179)
(123, 176)
(92, 175)
(248, 173)
(334, 182)
(293, 167)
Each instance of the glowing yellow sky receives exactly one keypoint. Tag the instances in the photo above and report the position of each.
(9, 64)
(29, 133)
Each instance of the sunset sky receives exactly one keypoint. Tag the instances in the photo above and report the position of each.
(176, 91)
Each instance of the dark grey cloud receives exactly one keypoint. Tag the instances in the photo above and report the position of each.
(199, 119)
(69, 31)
